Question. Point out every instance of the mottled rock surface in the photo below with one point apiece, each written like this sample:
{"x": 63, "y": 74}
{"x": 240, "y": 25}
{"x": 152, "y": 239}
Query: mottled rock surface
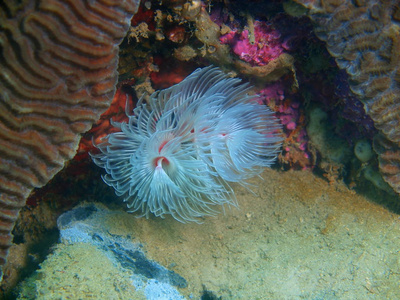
{"x": 296, "y": 237}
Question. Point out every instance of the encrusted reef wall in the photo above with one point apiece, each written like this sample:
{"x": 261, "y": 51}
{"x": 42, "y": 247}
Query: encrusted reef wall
{"x": 364, "y": 38}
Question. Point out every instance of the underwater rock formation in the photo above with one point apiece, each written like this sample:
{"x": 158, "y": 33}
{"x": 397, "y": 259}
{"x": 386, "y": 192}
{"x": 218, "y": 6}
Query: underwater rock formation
{"x": 364, "y": 38}
{"x": 58, "y": 74}
{"x": 177, "y": 154}
{"x": 84, "y": 224}
{"x": 102, "y": 260}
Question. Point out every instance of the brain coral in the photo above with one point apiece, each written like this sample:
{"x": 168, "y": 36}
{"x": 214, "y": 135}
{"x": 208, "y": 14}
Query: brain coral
{"x": 364, "y": 38}
{"x": 58, "y": 74}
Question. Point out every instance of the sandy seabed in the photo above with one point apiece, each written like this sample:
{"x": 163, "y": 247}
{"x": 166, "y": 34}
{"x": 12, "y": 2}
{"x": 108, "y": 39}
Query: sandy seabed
{"x": 296, "y": 237}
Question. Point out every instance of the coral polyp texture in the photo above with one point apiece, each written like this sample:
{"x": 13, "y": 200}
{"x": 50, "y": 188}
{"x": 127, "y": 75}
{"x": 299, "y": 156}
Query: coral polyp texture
{"x": 265, "y": 46}
{"x": 364, "y": 37}
{"x": 58, "y": 74}
{"x": 177, "y": 153}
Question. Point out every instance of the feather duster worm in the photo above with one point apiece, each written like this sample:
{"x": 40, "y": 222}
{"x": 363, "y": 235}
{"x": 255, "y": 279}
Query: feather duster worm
{"x": 177, "y": 153}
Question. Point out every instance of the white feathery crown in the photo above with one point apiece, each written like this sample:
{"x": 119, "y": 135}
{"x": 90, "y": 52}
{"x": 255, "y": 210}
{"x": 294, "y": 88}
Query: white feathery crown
{"x": 177, "y": 154}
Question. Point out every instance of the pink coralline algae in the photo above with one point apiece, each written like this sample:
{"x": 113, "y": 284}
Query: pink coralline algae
{"x": 288, "y": 111}
{"x": 265, "y": 47}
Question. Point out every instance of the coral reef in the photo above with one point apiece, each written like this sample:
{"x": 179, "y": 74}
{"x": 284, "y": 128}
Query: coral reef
{"x": 58, "y": 74}
{"x": 266, "y": 63}
{"x": 267, "y": 69}
{"x": 103, "y": 126}
{"x": 325, "y": 126}
{"x": 288, "y": 110}
{"x": 389, "y": 160}
{"x": 333, "y": 149}
{"x": 352, "y": 109}
{"x": 259, "y": 48}
{"x": 177, "y": 154}
{"x": 364, "y": 38}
